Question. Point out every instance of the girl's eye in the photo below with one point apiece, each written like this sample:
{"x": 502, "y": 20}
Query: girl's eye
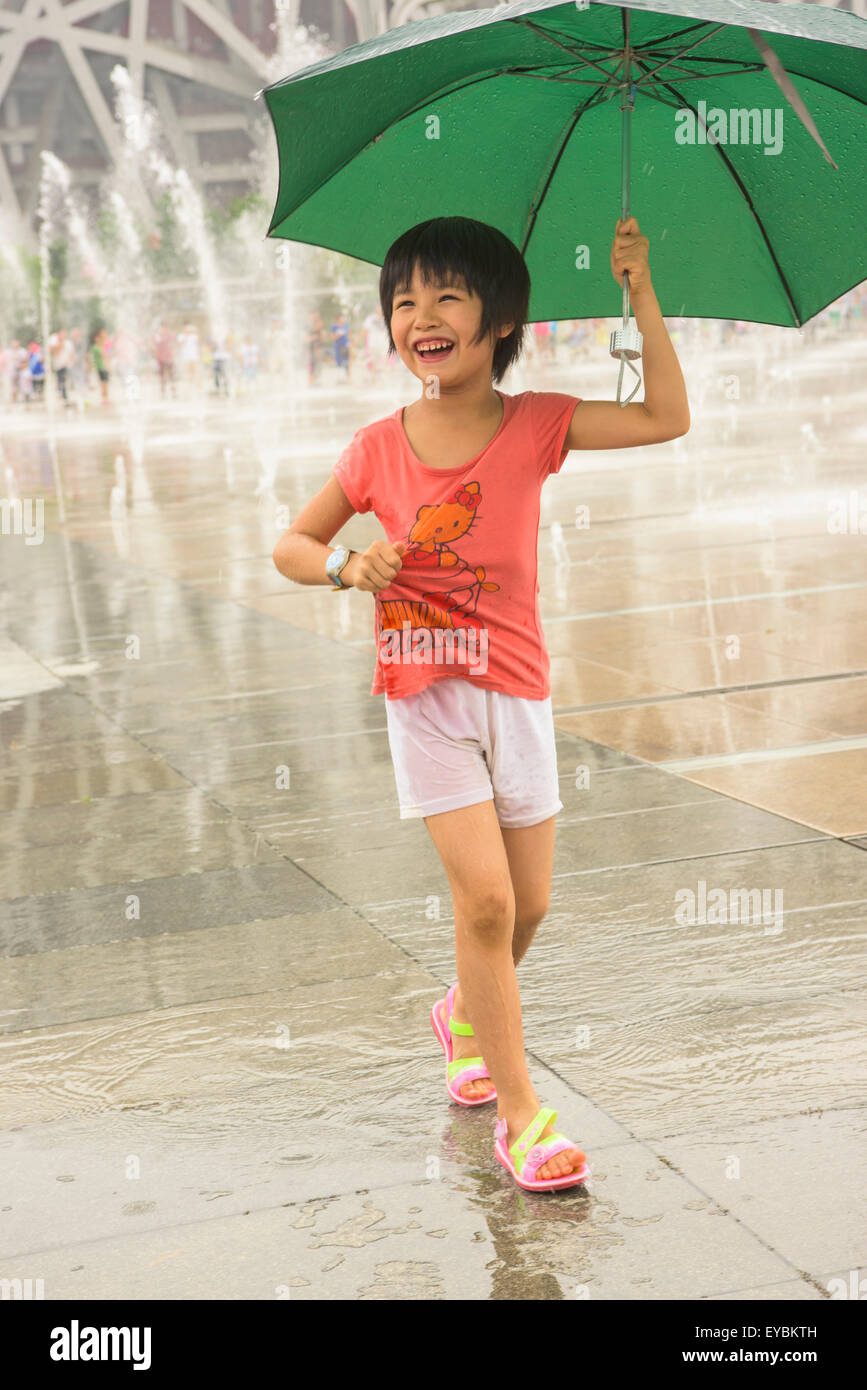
{"x": 409, "y": 301}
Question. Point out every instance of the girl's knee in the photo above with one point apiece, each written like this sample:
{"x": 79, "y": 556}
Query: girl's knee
{"x": 488, "y": 911}
{"x": 530, "y": 913}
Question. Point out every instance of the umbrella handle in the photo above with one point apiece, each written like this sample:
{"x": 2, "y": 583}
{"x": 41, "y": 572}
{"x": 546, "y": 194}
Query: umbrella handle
{"x": 626, "y": 354}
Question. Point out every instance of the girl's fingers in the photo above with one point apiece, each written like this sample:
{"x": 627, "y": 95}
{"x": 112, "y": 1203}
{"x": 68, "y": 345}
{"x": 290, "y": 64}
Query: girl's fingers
{"x": 383, "y": 572}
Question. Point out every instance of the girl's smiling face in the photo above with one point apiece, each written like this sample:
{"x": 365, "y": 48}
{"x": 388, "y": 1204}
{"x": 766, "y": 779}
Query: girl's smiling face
{"x": 448, "y": 314}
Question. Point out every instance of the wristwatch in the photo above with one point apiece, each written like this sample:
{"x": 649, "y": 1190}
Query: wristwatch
{"x": 335, "y": 563}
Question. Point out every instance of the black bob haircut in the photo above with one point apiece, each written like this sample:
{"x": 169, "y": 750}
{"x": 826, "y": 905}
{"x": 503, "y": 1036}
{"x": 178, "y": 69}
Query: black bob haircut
{"x": 490, "y": 265}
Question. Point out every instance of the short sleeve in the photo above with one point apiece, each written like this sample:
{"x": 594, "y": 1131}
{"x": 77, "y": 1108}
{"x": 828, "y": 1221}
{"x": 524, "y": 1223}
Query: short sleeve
{"x": 353, "y": 471}
{"x": 552, "y": 416}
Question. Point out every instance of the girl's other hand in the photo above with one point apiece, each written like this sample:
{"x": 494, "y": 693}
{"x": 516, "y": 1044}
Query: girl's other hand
{"x": 374, "y": 568}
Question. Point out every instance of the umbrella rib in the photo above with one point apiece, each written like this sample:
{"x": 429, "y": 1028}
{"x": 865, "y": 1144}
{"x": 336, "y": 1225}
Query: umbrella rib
{"x": 760, "y": 68}
{"x": 682, "y": 51}
{"x": 725, "y": 63}
{"x": 556, "y": 35}
{"x": 451, "y": 90}
{"x": 615, "y": 81}
{"x": 573, "y": 52}
{"x": 700, "y": 76}
{"x": 678, "y": 34}
{"x": 739, "y": 181}
{"x": 574, "y": 81}
{"x": 540, "y": 196}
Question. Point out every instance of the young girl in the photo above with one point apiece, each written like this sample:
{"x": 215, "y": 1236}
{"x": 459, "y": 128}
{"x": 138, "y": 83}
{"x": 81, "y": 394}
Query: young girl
{"x": 455, "y": 480}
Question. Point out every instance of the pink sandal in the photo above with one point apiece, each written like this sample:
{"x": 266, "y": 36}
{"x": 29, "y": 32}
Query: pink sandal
{"x": 459, "y": 1070}
{"x": 524, "y": 1161}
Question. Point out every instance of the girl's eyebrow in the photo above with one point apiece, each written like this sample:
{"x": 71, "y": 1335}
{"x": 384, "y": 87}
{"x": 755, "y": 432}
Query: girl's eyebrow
{"x": 446, "y": 285}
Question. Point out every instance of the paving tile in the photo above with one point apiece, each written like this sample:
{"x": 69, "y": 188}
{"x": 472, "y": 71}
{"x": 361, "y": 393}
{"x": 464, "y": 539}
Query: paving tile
{"x": 634, "y": 670}
{"x": 49, "y": 922}
{"x": 222, "y": 843}
{"x": 707, "y": 725}
{"x": 833, "y": 707}
{"x": 821, "y": 1152}
{"x": 822, "y": 791}
{"x": 188, "y": 966}
{"x": 88, "y": 782}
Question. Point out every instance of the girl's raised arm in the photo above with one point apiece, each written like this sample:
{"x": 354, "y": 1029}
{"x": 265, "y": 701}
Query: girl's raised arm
{"x": 664, "y": 413}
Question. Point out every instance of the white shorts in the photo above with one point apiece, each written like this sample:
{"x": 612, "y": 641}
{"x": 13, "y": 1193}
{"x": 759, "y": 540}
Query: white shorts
{"x": 454, "y": 744}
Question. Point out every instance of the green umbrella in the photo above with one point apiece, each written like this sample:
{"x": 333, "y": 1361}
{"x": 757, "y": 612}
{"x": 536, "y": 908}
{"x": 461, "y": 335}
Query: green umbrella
{"x": 748, "y": 148}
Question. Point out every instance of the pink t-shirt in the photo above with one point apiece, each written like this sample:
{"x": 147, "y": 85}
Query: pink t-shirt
{"x": 466, "y": 599}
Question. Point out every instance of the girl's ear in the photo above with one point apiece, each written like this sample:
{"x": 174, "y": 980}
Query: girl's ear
{"x": 506, "y": 329}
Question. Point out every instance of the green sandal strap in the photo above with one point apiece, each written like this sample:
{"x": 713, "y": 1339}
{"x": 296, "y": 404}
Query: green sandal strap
{"x": 460, "y": 1063}
{"x": 531, "y": 1133}
{"x": 465, "y": 1029}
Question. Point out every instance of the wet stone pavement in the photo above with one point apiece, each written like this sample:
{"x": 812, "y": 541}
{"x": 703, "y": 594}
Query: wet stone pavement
{"x": 219, "y": 945}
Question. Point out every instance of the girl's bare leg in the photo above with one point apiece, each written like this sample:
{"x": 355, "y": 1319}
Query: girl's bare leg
{"x": 530, "y": 853}
{"x": 471, "y": 845}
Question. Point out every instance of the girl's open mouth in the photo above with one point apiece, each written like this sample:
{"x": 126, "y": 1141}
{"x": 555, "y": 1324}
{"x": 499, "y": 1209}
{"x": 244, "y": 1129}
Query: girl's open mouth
{"x": 433, "y": 353}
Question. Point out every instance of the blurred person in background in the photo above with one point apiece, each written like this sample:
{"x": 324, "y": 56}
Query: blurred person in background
{"x": 541, "y": 334}
{"x": 124, "y": 354}
{"x": 340, "y": 340}
{"x": 220, "y": 361}
{"x": 375, "y": 342}
{"x": 99, "y": 361}
{"x": 164, "y": 352}
{"x": 189, "y": 355}
{"x": 62, "y": 358}
{"x": 37, "y": 370}
{"x": 233, "y": 347}
{"x": 578, "y": 335}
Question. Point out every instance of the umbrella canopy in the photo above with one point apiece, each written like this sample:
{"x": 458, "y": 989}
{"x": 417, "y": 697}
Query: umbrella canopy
{"x": 512, "y": 116}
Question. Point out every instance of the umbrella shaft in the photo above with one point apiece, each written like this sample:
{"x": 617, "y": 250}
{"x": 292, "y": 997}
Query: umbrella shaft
{"x": 625, "y": 156}
{"x": 624, "y": 198}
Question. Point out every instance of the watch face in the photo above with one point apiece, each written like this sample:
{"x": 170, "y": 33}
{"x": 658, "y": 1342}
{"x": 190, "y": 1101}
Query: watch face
{"x": 336, "y": 561}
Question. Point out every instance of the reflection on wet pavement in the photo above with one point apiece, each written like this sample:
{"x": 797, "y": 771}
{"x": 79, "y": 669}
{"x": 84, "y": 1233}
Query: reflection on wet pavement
{"x": 219, "y": 945}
